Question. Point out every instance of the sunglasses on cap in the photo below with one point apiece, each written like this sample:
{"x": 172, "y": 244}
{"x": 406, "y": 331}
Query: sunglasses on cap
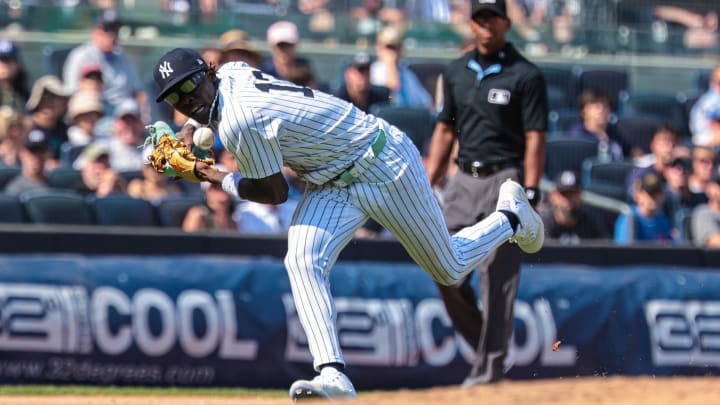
{"x": 186, "y": 87}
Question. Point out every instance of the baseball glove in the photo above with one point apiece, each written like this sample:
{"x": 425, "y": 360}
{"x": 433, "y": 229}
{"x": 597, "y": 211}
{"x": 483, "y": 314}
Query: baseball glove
{"x": 170, "y": 156}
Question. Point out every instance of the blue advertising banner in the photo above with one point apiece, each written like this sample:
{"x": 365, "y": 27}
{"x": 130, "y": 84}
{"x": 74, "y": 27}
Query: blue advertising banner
{"x": 229, "y": 321}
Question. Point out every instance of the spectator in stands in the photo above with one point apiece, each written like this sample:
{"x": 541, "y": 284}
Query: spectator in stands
{"x": 369, "y": 16}
{"x": 128, "y": 134}
{"x": 236, "y": 47}
{"x": 709, "y": 101}
{"x": 650, "y": 224}
{"x": 356, "y": 87}
{"x": 85, "y": 109}
{"x": 13, "y": 132}
{"x": 91, "y": 79}
{"x": 121, "y": 80}
{"x": 678, "y": 200}
{"x": 710, "y": 137}
{"x": 702, "y": 168}
{"x": 215, "y": 214}
{"x": 47, "y": 106}
{"x": 390, "y": 71}
{"x": 705, "y": 220}
{"x": 283, "y": 38}
{"x": 302, "y": 75}
{"x": 258, "y": 218}
{"x": 32, "y": 159}
{"x": 13, "y": 77}
{"x": 594, "y": 124}
{"x": 701, "y": 25}
{"x": 664, "y": 145}
{"x": 152, "y": 186}
{"x": 564, "y": 214}
{"x": 97, "y": 177}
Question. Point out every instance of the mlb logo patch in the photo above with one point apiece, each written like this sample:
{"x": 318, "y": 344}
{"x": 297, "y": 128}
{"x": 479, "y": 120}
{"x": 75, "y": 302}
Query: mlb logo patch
{"x": 499, "y": 96}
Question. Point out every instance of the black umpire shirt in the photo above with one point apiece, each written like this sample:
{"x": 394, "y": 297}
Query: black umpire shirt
{"x": 493, "y": 100}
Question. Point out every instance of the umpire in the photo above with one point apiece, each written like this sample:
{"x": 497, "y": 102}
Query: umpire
{"x": 495, "y": 105}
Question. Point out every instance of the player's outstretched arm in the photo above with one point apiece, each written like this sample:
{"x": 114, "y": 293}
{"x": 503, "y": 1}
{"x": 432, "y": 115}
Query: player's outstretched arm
{"x": 268, "y": 190}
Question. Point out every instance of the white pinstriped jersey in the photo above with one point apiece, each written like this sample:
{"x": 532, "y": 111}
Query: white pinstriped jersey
{"x": 269, "y": 123}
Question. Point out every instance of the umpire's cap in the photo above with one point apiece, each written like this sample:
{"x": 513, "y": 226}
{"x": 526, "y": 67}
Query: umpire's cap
{"x": 175, "y": 66}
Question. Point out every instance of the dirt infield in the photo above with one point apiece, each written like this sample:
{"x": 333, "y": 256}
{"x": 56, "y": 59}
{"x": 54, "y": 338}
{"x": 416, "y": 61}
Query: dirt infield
{"x": 571, "y": 391}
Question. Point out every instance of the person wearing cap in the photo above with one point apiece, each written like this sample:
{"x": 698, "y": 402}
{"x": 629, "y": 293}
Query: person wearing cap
{"x": 566, "y": 218}
{"x": 97, "y": 177}
{"x": 128, "y": 132}
{"x": 33, "y": 158}
{"x": 647, "y": 219}
{"x": 85, "y": 109}
{"x": 356, "y": 167}
{"x": 705, "y": 219}
{"x": 391, "y": 71}
{"x": 356, "y": 87}
{"x": 283, "y": 38}
{"x": 236, "y": 47}
{"x": 47, "y": 106}
{"x": 120, "y": 78}
{"x": 91, "y": 78}
{"x": 703, "y": 163}
{"x": 13, "y": 77}
{"x": 664, "y": 145}
{"x": 495, "y": 106}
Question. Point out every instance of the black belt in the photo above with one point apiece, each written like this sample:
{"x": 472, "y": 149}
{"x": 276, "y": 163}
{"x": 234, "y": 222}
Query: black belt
{"x": 484, "y": 169}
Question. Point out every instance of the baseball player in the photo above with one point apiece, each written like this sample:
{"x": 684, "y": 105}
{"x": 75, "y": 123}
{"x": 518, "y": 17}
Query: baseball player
{"x": 356, "y": 167}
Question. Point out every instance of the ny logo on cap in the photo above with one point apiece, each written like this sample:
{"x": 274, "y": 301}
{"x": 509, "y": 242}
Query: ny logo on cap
{"x": 165, "y": 69}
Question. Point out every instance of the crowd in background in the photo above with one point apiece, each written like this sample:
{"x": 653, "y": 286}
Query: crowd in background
{"x": 92, "y": 119}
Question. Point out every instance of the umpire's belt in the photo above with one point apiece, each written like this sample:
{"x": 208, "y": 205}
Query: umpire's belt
{"x": 483, "y": 169}
{"x": 351, "y": 174}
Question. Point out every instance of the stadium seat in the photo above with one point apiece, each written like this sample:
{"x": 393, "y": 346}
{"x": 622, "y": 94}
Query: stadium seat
{"x": 561, "y": 120}
{"x": 11, "y": 210}
{"x": 418, "y": 123}
{"x": 663, "y": 106}
{"x": 611, "y": 81}
{"x": 567, "y": 154}
{"x": 7, "y": 174}
{"x": 561, "y": 86}
{"x": 123, "y": 210}
{"x": 171, "y": 210}
{"x": 53, "y": 59}
{"x": 700, "y": 80}
{"x": 68, "y": 153}
{"x": 637, "y": 131}
{"x": 607, "y": 178}
{"x": 56, "y": 207}
{"x": 64, "y": 177}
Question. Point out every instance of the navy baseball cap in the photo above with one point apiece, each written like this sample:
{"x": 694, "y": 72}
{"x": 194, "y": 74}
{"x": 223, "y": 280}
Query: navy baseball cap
{"x": 496, "y": 6}
{"x": 175, "y": 66}
{"x": 8, "y": 49}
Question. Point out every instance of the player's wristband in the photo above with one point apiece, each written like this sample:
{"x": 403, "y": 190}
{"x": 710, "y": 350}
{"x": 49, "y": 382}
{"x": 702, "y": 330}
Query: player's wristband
{"x": 192, "y": 122}
{"x": 230, "y": 184}
{"x": 533, "y": 195}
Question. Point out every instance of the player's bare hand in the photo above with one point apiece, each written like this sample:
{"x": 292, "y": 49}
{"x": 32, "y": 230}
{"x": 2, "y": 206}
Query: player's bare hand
{"x": 186, "y": 135}
{"x": 208, "y": 172}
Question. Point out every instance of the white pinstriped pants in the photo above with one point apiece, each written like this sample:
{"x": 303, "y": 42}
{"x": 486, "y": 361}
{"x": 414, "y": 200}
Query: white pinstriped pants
{"x": 395, "y": 191}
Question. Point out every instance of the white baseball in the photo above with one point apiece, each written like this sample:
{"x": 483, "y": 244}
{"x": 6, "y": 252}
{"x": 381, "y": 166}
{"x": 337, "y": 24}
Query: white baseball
{"x": 204, "y": 138}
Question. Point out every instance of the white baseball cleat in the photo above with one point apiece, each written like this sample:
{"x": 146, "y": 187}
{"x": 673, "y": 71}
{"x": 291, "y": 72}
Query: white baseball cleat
{"x": 530, "y": 234}
{"x": 330, "y": 384}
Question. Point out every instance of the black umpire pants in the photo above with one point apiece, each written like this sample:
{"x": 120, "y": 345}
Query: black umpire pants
{"x": 487, "y": 329}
